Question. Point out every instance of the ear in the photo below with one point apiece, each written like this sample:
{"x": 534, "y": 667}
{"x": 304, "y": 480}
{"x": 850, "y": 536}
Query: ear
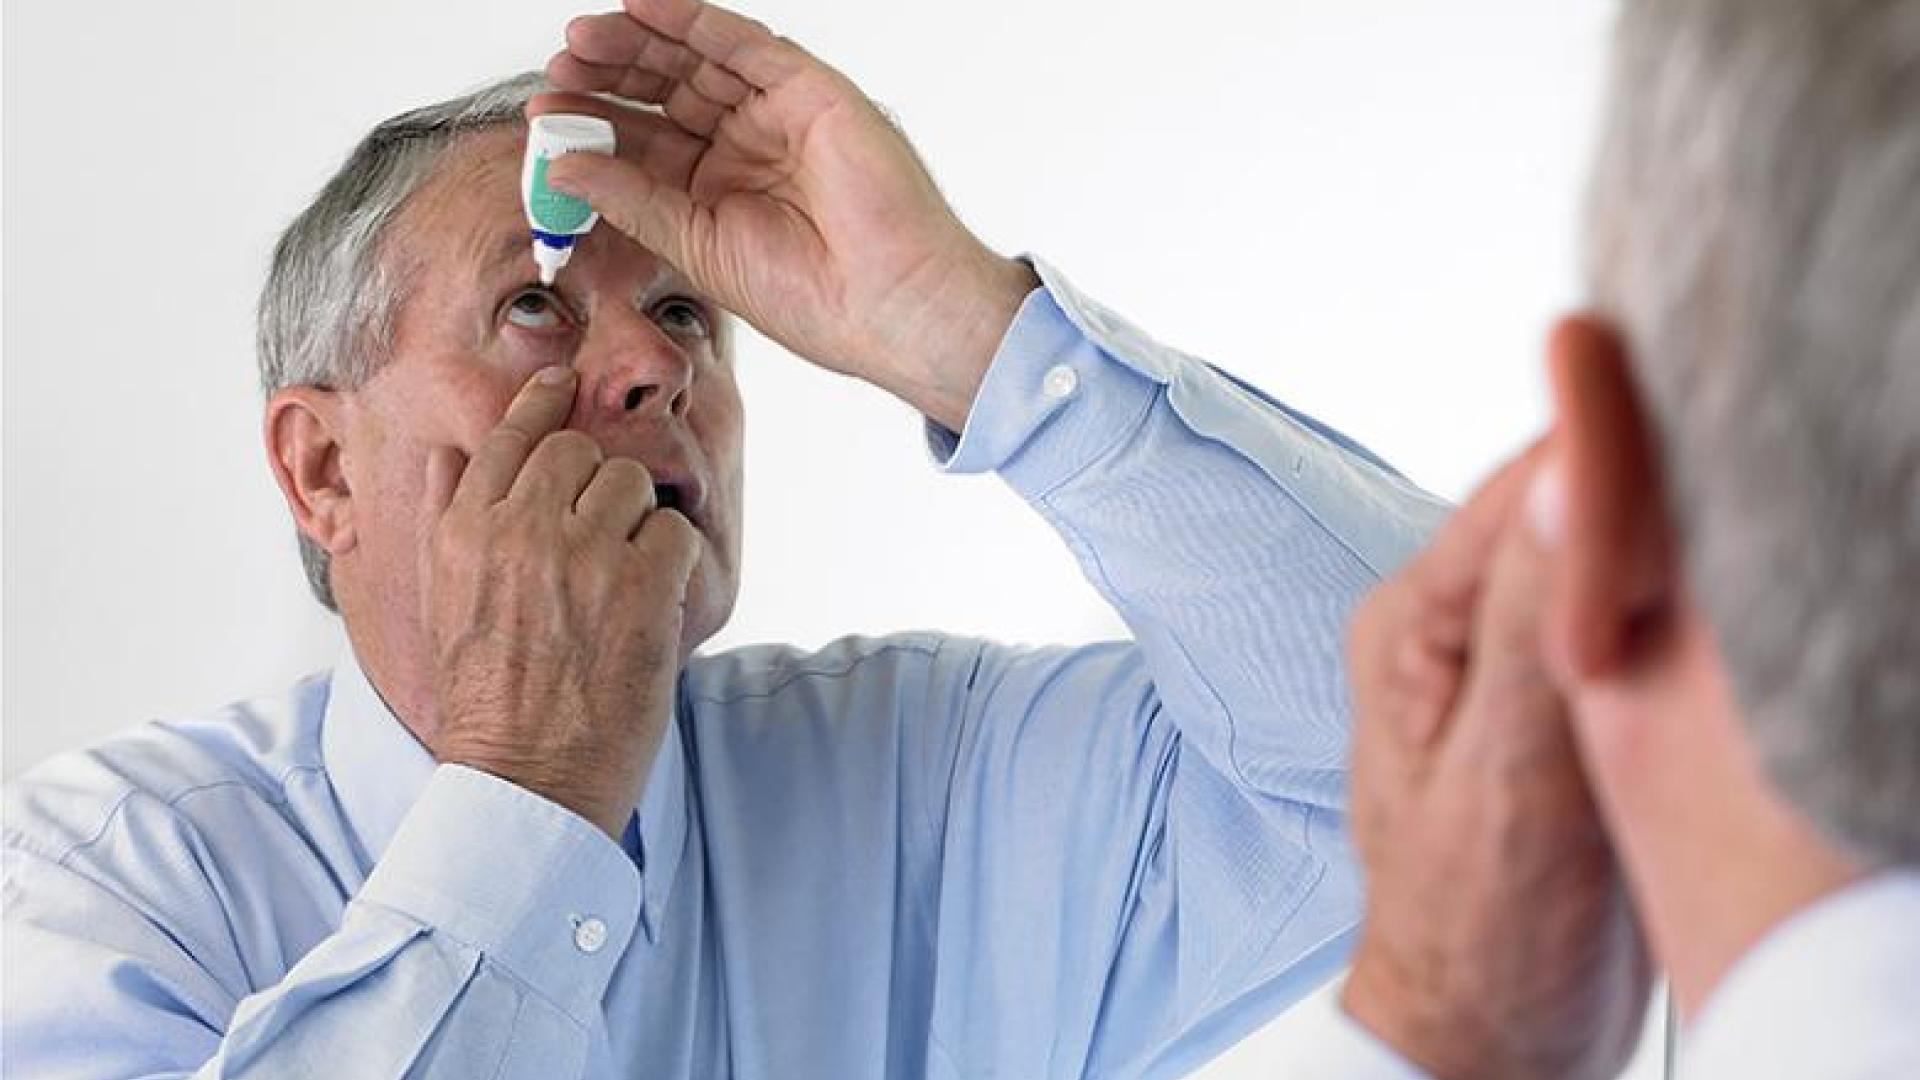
{"x": 303, "y": 430}
{"x": 1616, "y": 582}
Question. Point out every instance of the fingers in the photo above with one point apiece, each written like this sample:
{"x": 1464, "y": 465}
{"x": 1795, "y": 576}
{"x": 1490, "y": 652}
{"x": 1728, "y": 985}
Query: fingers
{"x": 740, "y": 45}
{"x": 659, "y": 216}
{"x": 569, "y": 73}
{"x": 445, "y": 467}
{"x": 1508, "y": 663}
{"x": 615, "y": 41}
{"x": 618, "y": 499}
{"x": 1411, "y": 641}
{"x": 670, "y": 546}
{"x": 537, "y": 411}
{"x": 558, "y": 470}
{"x": 1453, "y": 568}
{"x": 445, "y": 464}
{"x": 641, "y": 136}
{"x": 621, "y": 52}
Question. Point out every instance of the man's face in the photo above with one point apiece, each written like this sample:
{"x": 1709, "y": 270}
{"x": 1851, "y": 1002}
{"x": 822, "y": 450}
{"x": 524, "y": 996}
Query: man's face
{"x": 654, "y": 384}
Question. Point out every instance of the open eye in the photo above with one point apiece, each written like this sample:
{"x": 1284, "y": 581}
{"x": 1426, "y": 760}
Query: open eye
{"x": 684, "y": 317}
{"x": 535, "y": 309}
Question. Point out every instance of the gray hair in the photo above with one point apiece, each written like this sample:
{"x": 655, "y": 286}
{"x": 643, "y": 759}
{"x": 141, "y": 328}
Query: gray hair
{"x": 332, "y": 294}
{"x": 1756, "y": 235}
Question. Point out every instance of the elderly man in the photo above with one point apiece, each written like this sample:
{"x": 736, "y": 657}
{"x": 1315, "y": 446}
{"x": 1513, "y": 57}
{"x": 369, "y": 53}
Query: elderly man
{"x": 522, "y": 831}
{"x": 1686, "y": 623}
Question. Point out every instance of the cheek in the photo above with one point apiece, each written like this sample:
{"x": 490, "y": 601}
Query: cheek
{"x": 465, "y": 407}
{"x": 521, "y": 353}
{"x": 725, "y": 421}
{"x": 718, "y": 426}
{"x": 390, "y": 500}
{"x": 404, "y": 414}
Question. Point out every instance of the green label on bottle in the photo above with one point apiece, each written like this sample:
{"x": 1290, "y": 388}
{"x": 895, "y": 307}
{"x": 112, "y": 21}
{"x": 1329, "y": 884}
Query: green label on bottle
{"x": 552, "y": 211}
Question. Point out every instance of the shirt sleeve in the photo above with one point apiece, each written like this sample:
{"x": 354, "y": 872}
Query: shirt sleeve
{"x": 1166, "y": 816}
{"x": 447, "y": 963}
{"x": 1232, "y": 533}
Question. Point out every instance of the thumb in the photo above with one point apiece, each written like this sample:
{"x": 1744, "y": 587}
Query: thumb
{"x": 444, "y": 466}
{"x": 1509, "y": 664}
{"x": 655, "y": 214}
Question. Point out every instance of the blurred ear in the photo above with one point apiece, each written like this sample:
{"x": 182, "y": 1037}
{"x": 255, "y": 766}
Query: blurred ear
{"x": 1616, "y": 580}
{"x": 302, "y": 432}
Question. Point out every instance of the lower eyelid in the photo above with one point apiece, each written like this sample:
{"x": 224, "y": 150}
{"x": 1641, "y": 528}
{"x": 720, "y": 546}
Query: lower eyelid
{"x": 548, "y": 338}
{"x": 700, "y": 323}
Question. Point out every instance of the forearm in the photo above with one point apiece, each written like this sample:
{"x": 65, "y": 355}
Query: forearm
{"x": 1233, "y": 535}
{"x": 933, "y": 352}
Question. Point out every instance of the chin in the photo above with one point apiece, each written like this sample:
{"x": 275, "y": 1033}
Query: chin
{"x": 710, "y": 599}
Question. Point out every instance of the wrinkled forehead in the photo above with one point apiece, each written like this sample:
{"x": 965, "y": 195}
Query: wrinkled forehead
{"x": 466, "y": 225}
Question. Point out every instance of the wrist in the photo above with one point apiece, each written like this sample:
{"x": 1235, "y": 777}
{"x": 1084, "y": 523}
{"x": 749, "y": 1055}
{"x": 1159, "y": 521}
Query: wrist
{"x": 935, "y": 355}
{"x": 606, "y": 810}
{"x": 1418, "y": 1022}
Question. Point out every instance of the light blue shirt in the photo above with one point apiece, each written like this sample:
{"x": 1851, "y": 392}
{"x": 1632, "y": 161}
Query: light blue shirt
{"x": 919, "y": 855}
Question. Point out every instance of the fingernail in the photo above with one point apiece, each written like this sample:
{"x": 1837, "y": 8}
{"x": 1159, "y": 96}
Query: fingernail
{"x": 555, "y": 375}
{"x": 1547, "y": 504}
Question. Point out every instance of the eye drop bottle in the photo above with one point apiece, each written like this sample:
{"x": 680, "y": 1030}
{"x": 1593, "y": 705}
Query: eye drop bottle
{"x": 558, "y": 220}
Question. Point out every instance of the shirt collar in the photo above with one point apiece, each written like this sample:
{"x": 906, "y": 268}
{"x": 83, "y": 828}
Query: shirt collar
{"x": 1834, "y": 976}
{"x": 378, "y": 770}
{"x": 663, "y": 824}
{"x": 375, "y": 764}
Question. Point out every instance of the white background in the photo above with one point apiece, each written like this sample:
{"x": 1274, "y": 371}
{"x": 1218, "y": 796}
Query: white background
{"x": 1368, "y": 207}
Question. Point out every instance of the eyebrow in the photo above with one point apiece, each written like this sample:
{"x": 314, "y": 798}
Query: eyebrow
{"x": 512, "y": 244}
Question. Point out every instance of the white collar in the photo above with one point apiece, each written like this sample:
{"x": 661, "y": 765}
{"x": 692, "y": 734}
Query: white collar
{"x": 376, "y": 766}
{"x": 1827, "y": 988}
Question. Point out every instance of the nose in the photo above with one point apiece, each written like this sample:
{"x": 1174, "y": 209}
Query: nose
{"x": 630, "y": 369}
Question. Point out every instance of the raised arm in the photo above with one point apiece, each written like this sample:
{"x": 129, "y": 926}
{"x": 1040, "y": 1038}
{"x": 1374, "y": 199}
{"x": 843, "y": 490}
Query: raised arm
{"x": 785, "y": 195}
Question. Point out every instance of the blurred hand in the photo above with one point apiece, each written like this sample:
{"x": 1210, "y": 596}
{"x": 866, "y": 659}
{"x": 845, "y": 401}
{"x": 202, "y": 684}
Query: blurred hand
{"x": 553, "y": 590}
{"x": 1498, "y": 939}
{"x": 786, "y": 195}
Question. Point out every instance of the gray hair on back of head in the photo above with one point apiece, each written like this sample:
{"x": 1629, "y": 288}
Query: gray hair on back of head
{"x": 332, "y": 294}
{"x": 1755, "y": 234}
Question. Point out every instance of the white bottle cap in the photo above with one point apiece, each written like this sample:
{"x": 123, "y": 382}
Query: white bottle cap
{"x": 550, "y": 259}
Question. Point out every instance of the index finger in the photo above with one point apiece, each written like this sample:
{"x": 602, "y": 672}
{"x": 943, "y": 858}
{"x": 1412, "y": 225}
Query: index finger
{"x": 616, "y": 42}
{"x": 1452, "y": 569}
{"x": 538, "y": 410}
{"x": 1411, "y": 639}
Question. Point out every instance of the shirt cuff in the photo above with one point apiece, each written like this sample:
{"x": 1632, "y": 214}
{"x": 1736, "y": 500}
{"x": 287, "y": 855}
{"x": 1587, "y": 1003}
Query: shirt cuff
{"x": 1051, "y": 402}
{"x": 533, "y": 886}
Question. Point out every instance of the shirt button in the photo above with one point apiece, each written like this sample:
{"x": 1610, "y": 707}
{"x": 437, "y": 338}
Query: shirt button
{"x": 1061, "y": 382}
{"x": 589, "y": 935}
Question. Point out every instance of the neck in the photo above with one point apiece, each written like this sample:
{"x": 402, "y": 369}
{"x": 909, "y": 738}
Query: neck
{"x": 383, "y": 648}
{"x": 1715, "y": 856}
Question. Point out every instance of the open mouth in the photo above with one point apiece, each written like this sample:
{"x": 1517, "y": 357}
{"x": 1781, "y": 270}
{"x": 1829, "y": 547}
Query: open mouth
{"x": 668, "y": 497}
